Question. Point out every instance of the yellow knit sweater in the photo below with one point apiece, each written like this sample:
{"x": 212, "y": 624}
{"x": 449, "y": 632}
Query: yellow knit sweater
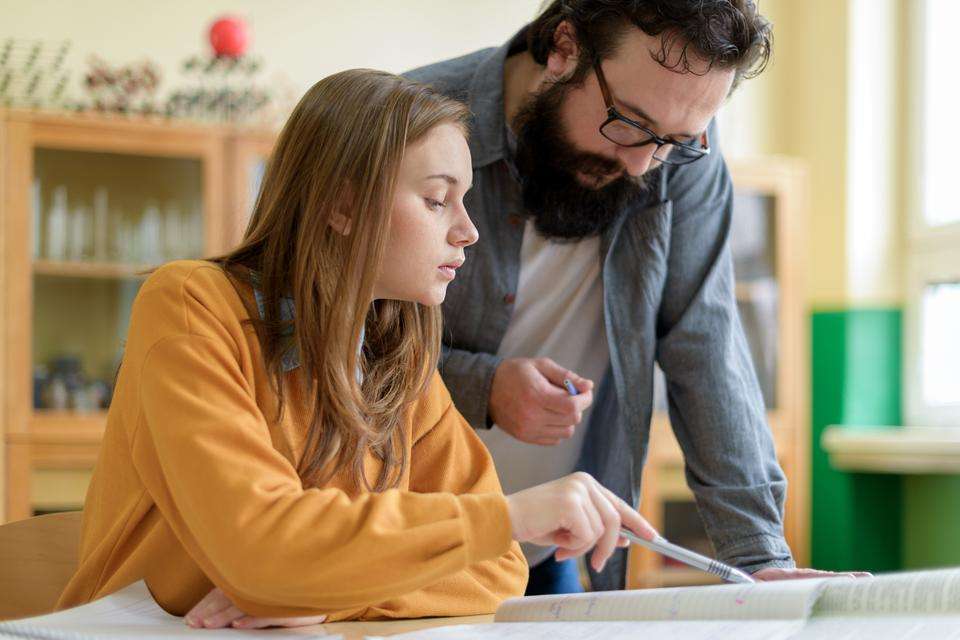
{"x": 196, "y": 485}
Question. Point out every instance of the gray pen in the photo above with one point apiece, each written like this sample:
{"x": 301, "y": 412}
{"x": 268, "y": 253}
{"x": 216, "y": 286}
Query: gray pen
{"x": 687, "y": 557}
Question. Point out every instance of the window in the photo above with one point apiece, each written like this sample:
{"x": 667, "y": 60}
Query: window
{"x": 939, "y": 162}
{"x": 939, "y": 346}
{"x": 932, "y": 319}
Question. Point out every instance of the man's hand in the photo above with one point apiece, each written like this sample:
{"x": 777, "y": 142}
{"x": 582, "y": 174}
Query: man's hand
{"x": 528, "y": 400}
{"x": 773, "y": 573}
{"x": 216, "y": 610}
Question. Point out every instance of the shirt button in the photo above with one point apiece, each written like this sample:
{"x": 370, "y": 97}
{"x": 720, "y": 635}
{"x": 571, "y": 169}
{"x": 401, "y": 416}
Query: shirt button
{"x": 509, "y": 298}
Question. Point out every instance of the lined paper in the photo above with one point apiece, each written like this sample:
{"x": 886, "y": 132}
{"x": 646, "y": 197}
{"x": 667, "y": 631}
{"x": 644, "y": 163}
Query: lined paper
{"x": 129, "y": 613}
{"x": 783, "y": 600}
{"x": 916, "y": 593}
{"x": 675, "y": 630}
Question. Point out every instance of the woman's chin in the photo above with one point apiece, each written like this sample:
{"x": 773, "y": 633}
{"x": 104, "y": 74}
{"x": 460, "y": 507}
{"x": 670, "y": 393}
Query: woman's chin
{"x": 434, "y": 297}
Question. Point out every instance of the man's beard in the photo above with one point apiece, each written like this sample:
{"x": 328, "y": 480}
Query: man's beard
{"x": 561, "y": 207}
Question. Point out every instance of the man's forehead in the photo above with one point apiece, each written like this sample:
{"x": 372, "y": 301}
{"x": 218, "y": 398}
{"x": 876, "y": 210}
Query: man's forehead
{"x": 654, "y": 73}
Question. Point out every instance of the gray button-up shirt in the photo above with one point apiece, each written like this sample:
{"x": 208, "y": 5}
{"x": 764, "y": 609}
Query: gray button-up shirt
{"x": 668, "y": 298}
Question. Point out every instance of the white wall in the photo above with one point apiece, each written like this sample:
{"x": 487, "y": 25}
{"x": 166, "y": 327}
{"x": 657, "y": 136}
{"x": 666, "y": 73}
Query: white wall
{"x": 303, "y": 40}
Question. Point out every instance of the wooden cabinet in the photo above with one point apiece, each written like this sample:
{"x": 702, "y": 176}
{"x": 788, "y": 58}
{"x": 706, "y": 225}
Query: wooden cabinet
{"x": 89, "y": 204}
{"x": 768, "y": 247}
{"x": 247, "y": 155}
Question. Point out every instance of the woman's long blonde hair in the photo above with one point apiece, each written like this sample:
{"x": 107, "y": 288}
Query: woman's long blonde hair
{"x": 336, "y": 161}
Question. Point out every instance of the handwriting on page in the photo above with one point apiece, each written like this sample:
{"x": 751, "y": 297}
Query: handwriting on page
{"x": 914, "y": 593}
{"x": 785, "y": 600}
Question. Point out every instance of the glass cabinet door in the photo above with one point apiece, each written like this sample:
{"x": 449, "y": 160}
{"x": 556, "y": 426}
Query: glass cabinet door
{"x": 101, "y": 221}
{"x": 753, "y": 245}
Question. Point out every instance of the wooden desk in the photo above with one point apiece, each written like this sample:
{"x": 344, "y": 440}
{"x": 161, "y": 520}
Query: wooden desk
{"x": 358, "y": 630}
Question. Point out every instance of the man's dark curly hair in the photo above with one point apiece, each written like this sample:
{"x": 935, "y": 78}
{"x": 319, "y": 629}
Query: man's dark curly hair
{"x": 725, "y": 33}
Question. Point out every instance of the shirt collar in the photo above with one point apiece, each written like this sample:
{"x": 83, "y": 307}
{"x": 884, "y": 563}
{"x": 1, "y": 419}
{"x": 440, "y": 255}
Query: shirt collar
{"x": 291, "y": 357}
{"x": 488, "y": 138}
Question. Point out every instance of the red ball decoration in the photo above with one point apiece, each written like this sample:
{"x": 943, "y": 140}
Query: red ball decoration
{"x": 229, "y": 36}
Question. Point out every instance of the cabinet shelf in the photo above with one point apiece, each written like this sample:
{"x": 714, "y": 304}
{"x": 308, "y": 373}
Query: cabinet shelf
{"x": 59, "y": 427}
{"x": 84, "y": 269}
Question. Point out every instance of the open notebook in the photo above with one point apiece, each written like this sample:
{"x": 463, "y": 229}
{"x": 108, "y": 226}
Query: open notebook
{"x": 896, "y": 606}
{"x": 129, "y": 613}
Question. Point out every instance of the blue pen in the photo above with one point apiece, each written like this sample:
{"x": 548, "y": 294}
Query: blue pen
{"x": 572, "y": 390}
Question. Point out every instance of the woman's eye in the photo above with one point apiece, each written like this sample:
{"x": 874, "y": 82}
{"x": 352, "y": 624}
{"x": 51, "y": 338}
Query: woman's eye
{"x": 434, "y": 205}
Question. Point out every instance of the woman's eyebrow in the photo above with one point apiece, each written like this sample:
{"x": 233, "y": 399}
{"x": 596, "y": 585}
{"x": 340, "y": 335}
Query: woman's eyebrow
{"x": 443, "y": 176}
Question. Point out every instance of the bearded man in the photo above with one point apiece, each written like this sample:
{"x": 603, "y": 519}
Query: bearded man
{"x": 604, "y": 206}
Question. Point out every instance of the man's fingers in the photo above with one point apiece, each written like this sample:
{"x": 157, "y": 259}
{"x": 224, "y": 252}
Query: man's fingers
{"x": 547, "y": 436}
{"x": 776, "y": 573}
{"x": 557, "y": 374}
{"x": 560, "y": 403}
{"x": 553, "y": 372}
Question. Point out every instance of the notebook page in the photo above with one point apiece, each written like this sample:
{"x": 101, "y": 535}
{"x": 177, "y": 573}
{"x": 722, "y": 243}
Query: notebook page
{"x": 675, "y": 630}
{"x": 911, "y": 593}
{"x": 129, "y": 613}
{"x": 781, "y": 600}
{"x": 926, "y": 627}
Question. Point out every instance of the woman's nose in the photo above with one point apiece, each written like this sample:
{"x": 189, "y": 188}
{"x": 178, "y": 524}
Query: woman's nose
{"x": 464, "y": 232}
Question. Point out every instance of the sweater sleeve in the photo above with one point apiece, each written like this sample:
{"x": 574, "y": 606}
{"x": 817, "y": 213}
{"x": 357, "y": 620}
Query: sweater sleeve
{"x": 450, "y": 458}
{"x": 204, "y": 454}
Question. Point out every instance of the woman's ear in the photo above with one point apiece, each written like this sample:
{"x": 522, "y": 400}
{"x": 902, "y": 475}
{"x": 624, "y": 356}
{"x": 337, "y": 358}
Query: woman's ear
{"x": 340, "y": 223}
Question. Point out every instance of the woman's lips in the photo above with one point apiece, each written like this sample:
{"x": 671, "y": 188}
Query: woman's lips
{"x": 449, "y": 270}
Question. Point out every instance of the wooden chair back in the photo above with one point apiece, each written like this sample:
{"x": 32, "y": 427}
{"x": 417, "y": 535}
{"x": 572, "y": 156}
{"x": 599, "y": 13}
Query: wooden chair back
{"x": 37, "y": 558}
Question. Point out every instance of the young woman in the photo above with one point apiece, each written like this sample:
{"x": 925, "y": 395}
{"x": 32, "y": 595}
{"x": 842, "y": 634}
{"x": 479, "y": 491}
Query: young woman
{"x": 280, "y": 444}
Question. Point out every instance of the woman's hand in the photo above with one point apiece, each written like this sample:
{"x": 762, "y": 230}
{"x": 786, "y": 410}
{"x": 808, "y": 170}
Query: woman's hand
{"x": 216, "y": 610}
{"x": 574, "y": 513}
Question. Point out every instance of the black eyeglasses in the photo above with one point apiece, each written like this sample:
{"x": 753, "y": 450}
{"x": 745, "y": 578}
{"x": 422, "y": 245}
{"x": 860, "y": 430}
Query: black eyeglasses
{"x": 621, "y": 130}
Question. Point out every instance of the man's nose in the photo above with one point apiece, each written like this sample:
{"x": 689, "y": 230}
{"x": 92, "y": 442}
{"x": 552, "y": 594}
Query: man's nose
{"x": 636, "y": 160}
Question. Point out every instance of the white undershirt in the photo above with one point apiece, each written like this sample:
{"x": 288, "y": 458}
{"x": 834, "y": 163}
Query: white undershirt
{"x": 558, "y": 313}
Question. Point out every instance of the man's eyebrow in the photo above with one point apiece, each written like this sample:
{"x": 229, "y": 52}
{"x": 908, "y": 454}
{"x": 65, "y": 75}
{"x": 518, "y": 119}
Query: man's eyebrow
{"x": 643, "y": 116}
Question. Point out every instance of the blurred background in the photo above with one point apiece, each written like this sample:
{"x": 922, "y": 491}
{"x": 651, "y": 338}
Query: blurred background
{"x": 132, "y": 134}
